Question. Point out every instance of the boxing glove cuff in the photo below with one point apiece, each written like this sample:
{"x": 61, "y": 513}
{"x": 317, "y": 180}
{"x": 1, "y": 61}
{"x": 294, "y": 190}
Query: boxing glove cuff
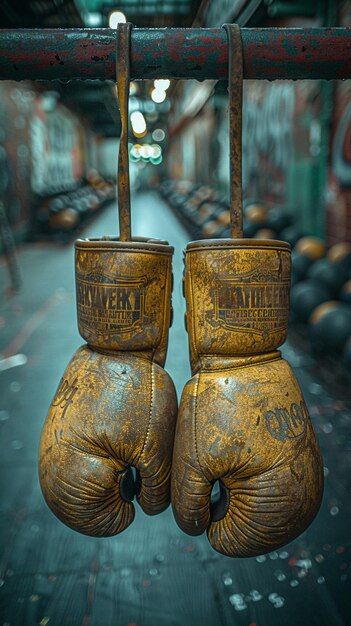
{"x": 124, "y": 295}
{"x": 237, "y": 295}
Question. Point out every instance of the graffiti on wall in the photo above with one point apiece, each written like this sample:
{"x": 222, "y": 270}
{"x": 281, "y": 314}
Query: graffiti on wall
{"x": 341, "y": 156}
{"x": 56, "y": 164}
{"x": 268, "y": 117}
{"x": 339, "y": 180}
{"x": 15, "y": 110}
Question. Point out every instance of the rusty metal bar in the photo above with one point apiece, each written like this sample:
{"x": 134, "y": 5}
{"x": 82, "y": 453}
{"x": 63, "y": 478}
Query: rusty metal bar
{"x": 269, "y": 53}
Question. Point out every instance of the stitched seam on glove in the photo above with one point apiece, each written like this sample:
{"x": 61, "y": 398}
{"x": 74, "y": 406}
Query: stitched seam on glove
{"x": 195, "y": 355}
{"x": 195, "y": 424}
{"x": 150, "y": 413}
{"x": 164, "y": 331}
{"x": 120, "y": 353}
{"x": 237, "y": 367}
{"x": 105, "y": 248}
{"x": 237, "y": 244}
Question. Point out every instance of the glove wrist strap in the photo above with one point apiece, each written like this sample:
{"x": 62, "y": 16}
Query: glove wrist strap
{"x": 219, "y": 362}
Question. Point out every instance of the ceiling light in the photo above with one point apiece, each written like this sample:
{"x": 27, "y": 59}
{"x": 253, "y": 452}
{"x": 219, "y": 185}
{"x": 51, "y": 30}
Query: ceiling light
{"x": 146, "y": 151}
{"x": 92, "y": 19}
{"x": 156, "y": 151}
{"x": 115, "y": 18}
{"x": 156, "y": 161}
{"x": 158, "y": 134}
{"x": 138, "y": 123}
{"x": 162, "y": 84}
{"x": 158, "y": 95}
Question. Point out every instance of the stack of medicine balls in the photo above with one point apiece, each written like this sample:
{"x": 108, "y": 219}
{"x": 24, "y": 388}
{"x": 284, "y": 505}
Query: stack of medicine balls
{"x": 320, "y": 281}
{"x": 321, "y": 295}
{"x": 202, "y": 209}
{"x": 321, "y": 278}
{"x": 63, "y": 213}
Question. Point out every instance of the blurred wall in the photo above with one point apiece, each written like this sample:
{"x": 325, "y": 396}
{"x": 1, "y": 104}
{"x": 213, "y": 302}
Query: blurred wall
{"x": 338, "y": 200}
{"x": 107, "y": 152}
{"x": 43, "y": 151}
{"x": 296, "y": 142}
{"x": 284, "y": 138}
{"x": 297, "y": 148}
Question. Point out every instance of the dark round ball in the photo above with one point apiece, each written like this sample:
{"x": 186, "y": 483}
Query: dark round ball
{"x": 277, "y": 219}
{"x": 249, "y": 229}
{"x": 212, "y": 228}
{"x": 345, "y": 292}
{"x": 333, "y": 328}
{"x": 265, "y": 233}
{"x": 300, "y": 264}
{"x": 256, "y": 214}
{"x": 249, "y": 201}
{"x": 64, "y": 220}
{"x": 341, "y": 253}
{"x": 57, "y": 204}
{"x": 317, "y": 339}
{"x": 313, "y": 247}
{"x": 331, "y": 274}
{"x": 306, "y": 296}
{"x": 291, "y": 235}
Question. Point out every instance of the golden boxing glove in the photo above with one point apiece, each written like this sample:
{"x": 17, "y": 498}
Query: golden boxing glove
{"x": 242, "y": 420}
{"x": 115, "y": 407}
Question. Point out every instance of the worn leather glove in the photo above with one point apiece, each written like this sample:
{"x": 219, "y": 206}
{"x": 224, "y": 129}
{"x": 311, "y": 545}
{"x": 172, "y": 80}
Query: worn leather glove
{"x": 115, "y": 407}
{"x": 242, "y": 420}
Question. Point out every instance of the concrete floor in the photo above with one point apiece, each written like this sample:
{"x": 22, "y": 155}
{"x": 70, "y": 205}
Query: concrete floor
{"x": 152, "y": 574}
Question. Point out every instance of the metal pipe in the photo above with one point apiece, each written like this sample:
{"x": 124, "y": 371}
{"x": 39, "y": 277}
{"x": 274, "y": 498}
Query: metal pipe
{"x": 201, "y": 53}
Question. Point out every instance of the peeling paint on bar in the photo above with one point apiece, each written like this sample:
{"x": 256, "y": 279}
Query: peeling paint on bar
{"x": 200, "y": 53}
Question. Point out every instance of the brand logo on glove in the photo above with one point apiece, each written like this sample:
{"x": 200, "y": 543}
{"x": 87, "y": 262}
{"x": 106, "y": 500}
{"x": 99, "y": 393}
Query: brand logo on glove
{"x": 110, "y": 307}
{"x": 65, "y": 394}
{"x": 253, "y": 306}
{"x": 283, "y": 423}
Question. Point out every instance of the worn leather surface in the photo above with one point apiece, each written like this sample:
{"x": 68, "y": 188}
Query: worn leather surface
{"x": 123, "y": 295}
{"x": 115, "y": 407}
{"x": 237, "y": 296}
{"x": 242, "y": 419}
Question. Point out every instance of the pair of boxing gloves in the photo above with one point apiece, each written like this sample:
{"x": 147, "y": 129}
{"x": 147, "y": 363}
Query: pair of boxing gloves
{"x": 242, "y": 419}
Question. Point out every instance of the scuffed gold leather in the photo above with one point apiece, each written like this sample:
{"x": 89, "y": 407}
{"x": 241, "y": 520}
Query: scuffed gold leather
{"x": 237, "y": 295}
{"x": 115, "y": 406}
{"x": 242, "y": 418}
{"x": 109, "y": 412}
{"x": 123, "y": 295}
